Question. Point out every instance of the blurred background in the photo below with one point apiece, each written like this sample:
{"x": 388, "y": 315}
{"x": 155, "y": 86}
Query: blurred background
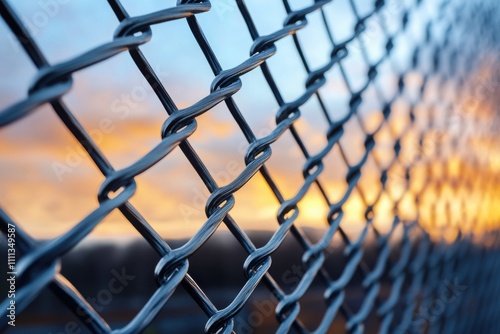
{"x": 432, "y": 174}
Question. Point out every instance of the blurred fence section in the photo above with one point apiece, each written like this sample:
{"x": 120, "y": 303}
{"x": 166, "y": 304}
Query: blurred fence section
{"x": 422, "y": 82}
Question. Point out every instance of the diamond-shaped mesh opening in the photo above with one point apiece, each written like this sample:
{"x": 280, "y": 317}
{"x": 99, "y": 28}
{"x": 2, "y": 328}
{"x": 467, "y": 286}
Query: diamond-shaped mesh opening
{"x": 325, "y": 166}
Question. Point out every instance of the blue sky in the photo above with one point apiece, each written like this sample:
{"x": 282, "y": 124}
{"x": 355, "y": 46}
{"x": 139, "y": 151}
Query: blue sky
{"x": 114, "y": 92}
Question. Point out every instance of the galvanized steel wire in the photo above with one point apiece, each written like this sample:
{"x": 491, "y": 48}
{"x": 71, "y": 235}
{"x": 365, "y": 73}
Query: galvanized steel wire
{"x": 421, "y": 263}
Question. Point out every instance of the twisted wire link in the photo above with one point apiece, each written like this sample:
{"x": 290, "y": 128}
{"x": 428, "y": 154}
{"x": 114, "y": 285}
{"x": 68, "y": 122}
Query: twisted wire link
{"x": 409, "y": 271}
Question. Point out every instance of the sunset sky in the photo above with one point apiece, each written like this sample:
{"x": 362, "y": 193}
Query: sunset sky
{"x": 48, "y": 184}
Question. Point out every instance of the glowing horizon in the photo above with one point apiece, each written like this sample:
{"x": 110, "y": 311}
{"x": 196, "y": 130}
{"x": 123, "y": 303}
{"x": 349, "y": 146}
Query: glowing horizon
{"x": 49, "y": 183}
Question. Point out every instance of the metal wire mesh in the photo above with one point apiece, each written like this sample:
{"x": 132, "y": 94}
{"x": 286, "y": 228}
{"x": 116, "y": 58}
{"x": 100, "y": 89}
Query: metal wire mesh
{"x": 451, "y": 238}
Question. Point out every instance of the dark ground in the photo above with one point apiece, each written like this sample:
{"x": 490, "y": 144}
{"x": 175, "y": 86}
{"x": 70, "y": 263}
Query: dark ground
{"x": 218, "y": 269}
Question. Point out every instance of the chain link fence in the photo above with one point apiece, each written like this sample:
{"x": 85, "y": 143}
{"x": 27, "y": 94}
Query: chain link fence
{"x": 432, "y": 270}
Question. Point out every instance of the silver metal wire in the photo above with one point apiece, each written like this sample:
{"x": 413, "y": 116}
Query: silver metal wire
{"x": 408, "y": 273}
